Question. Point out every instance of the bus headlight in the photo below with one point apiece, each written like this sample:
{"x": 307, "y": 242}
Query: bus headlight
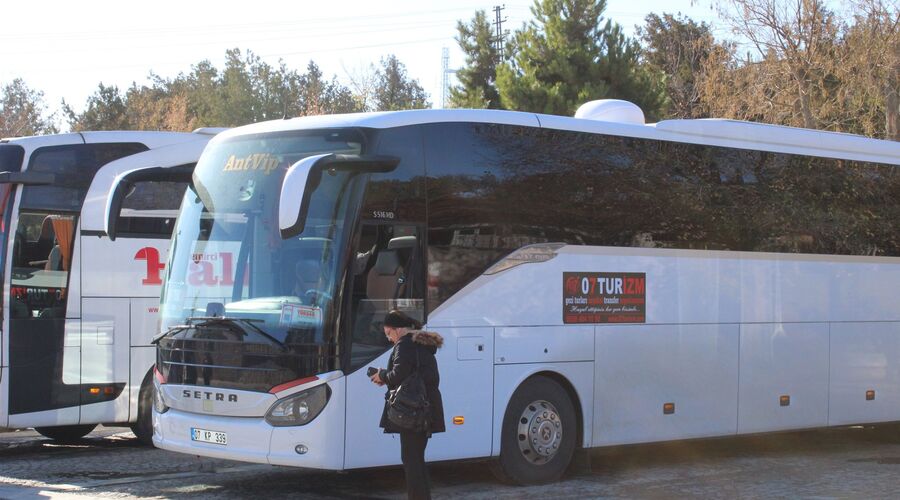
{"x": 300, "y": 408}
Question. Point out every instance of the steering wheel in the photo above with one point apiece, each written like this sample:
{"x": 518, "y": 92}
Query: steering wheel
{"x": 313, "y": 296}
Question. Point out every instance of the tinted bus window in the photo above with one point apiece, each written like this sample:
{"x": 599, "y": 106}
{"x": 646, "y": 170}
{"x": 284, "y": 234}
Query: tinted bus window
{"x": 42, "y": 257}
{"x": 11, "y": 157}
{"x": 495, "y": 188}
{"x": 150, "y": 209}
{"x": 74, "y": 167}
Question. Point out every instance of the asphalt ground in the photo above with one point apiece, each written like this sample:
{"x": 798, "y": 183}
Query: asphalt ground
{"x": 110, "y": 463}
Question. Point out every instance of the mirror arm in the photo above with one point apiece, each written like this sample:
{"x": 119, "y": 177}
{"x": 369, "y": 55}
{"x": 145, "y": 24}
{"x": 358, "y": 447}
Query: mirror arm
{"x": 27, "y": 178}
{"x": 356, "y": 164}
{"x": 361, "y": 164}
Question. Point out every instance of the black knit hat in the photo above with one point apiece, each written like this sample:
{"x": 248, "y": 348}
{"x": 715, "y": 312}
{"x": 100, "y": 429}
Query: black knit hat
{"x": 397, "y": 319}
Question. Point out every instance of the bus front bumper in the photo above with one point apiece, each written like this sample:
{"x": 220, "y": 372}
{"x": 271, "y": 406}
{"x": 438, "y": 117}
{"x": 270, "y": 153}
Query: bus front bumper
{"x": 251, "y": 439}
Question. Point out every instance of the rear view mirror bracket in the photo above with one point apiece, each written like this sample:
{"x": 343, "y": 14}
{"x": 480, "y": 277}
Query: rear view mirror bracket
{"x": 27, "y": 178}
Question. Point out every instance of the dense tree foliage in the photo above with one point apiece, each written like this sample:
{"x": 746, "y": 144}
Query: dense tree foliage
{"x": 677, "y": 48}
{"x": 810, "y": 66}
{"x": 808, "y": 63}
{"x": 247, "y": 90}
{"x": 23, "y": 112}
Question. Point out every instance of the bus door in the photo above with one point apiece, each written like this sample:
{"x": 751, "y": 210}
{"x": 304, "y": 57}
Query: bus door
{"x": 388, "y": 273}
{"x": 45, "y": 371}
{"x": 45, "y": 327}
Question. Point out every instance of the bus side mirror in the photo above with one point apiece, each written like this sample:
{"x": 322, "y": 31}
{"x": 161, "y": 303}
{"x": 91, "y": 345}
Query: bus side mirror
{"x": 125, "y": 181}
{"x": 303, "y": 177}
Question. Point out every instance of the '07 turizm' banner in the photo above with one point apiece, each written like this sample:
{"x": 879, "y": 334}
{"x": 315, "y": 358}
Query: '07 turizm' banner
{"x": 604, "y": 297}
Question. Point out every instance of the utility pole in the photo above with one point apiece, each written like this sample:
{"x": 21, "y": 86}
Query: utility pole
{"x": 500, "y": 35}
{"x": 445, "y": 76}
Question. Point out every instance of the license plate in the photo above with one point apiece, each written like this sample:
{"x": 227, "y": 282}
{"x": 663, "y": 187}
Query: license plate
{"x": 207, "y": 436}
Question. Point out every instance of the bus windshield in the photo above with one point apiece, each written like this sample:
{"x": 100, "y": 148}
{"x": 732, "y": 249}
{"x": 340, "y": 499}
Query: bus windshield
{"x": 231, "y": 275}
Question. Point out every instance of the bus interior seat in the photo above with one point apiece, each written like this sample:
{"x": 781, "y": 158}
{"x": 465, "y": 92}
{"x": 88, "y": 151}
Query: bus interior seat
{"x": 307, "y": 276}
{"x": 45, "y": 242}
{"x": 54, "y": 260}
{"x": 385, "y": 278}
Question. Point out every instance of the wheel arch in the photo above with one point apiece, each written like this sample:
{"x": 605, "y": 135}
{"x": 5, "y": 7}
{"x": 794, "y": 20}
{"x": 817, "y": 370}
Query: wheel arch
{"x": 575, "y": 378}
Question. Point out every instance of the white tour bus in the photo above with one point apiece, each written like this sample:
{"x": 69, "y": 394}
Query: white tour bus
{"x": 597, "y": 280}
{"x": 80, "y": 311}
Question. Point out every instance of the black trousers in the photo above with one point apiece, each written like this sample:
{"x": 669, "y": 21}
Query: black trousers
{"x": 412, "y": 453}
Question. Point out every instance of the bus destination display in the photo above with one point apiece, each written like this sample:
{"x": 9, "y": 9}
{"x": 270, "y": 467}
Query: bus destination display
{"x": 604, "y": 297}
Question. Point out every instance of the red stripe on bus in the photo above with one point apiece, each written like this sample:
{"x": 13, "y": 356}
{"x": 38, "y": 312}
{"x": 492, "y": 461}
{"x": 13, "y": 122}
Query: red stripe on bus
{"x": 294, "y": 383}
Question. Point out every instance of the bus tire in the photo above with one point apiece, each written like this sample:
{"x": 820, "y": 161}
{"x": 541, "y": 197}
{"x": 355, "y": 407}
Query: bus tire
{"x": 143, "y": 426}
{"x": 66, "y": 433}
{"x": 538, "y": 436}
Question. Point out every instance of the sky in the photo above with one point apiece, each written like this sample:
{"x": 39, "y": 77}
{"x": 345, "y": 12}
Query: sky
{"x": 65, "y": 49}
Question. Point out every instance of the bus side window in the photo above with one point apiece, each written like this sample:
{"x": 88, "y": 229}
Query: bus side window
{"x": 42, "y": 258}
{"x": 149, "y": 210}
{"x": 388, "y": 274}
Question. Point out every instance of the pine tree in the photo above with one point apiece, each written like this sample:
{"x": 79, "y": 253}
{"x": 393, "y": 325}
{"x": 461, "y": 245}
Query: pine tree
{"x": 106, "y": 110}
{"x": 394, "y": 90}
{"x": 567, "y": 56}
{"x": 238, "y": 104}
{"x": 477, "y": 81}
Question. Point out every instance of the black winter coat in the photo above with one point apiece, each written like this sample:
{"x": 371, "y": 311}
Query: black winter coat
{"x": 403, "y": 363}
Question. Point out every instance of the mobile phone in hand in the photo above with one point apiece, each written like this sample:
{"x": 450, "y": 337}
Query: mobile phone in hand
{"x": 371, "y": 371}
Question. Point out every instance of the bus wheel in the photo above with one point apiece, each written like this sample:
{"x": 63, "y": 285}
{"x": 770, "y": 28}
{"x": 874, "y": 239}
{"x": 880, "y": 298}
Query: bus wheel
{"x": 538, "y": 435}
{"x": 143, "y": 426}
{"x": 66, "y": 433}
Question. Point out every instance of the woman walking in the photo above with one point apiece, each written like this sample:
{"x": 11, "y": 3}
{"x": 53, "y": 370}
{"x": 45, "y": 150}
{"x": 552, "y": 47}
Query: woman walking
{"x": 414, "y": 350}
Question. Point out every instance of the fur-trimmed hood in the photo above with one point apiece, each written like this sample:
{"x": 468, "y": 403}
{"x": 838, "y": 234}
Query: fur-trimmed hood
{"x": 430, "y": 339}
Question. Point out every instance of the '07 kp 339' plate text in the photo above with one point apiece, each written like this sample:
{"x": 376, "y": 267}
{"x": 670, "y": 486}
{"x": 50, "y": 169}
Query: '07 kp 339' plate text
{"x": 207, "y": 436}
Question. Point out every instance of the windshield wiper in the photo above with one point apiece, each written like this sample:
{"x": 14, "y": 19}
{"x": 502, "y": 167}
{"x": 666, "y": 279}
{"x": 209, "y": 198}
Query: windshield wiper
{"x": 170, "y": 331}
{"x": 189, "y": 323}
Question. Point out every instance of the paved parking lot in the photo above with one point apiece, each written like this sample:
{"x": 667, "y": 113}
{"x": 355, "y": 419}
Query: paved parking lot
{"x": 109, "y": 463}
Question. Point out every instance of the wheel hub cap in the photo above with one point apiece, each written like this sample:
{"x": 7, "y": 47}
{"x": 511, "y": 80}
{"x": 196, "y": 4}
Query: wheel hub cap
{"x": 540, "y": 432}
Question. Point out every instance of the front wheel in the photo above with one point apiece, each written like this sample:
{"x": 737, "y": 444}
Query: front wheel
{"x": 539, "y": 432}
{"x": 66, "y": 433}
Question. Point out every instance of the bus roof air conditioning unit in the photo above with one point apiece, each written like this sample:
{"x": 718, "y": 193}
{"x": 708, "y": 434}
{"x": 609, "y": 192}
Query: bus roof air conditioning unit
{"x": 611, "y": 110}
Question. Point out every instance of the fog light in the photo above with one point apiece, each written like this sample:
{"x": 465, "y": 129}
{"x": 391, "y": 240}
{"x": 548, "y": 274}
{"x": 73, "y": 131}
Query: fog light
{"x": 301, "y": 449}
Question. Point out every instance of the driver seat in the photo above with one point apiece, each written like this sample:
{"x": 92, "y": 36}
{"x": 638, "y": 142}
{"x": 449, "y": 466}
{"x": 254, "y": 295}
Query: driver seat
{"x": 386, "y": 280}
{"x": 307, "y": 277}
